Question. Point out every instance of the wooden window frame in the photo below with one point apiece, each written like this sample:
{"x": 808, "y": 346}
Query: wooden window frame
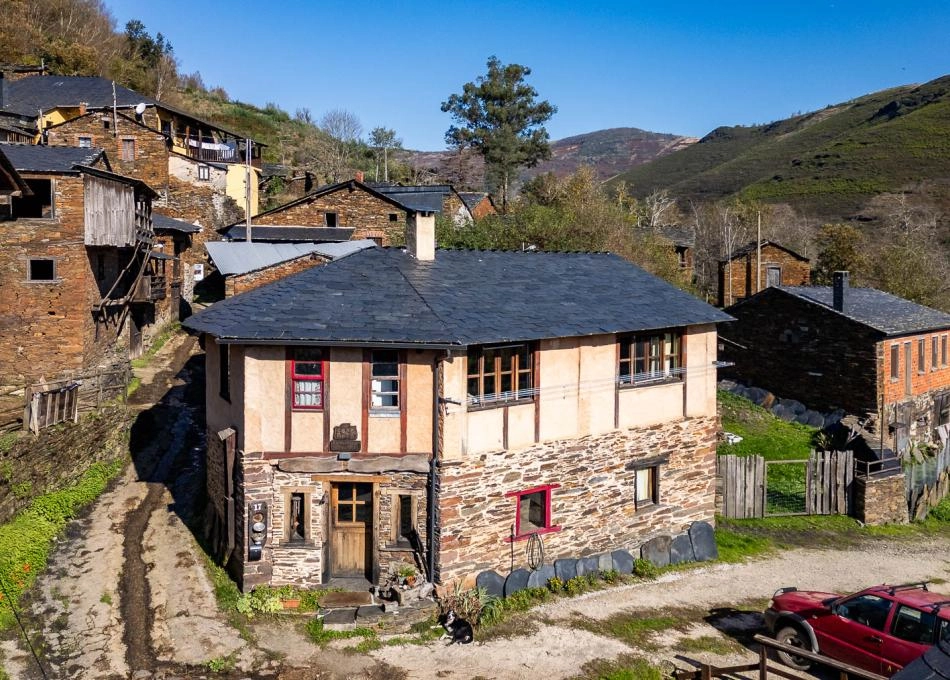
{"x": 396, "y": 539}
{"x": 382, "y": 410}
{"x": 289, "y": 536}
{"x": 921, "y": 355}
{"x": 895, "y": 362}
{"x": 548, "y": 527}
{"x": 521, "y": 366}
{"x": 646, "y": 350}
{"x": 29, "y": 270}
{"x": 934, "y": 353}
{"x": 123, "y": 155}
{"x": 296, "y": 376}
{"x": 204, "y": 173}
{"x": 224, "y": 371}
{"x": 81, "y": 138}
{"x": 654, "y": 483}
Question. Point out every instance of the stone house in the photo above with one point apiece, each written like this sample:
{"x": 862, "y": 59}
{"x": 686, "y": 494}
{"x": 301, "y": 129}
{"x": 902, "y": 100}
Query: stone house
{"x": 443, "y": 407}
{"x": 173, "y": 238}
{"x": 79, "y": 284}
{"x": 334, "y": 212}
{"x": 244, "y": 265}
{"x": 440, "y": 199}
{"x": 868, "y": 352}
{"x": 479, "y": 203}
{"x": 777, "y": 266}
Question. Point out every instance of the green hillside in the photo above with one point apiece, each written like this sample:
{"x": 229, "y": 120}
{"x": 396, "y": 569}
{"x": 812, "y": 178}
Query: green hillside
{"x": 827, "y": 163}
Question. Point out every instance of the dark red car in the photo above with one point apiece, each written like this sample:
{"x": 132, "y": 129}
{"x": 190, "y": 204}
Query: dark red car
{"x": 880, "y": 629}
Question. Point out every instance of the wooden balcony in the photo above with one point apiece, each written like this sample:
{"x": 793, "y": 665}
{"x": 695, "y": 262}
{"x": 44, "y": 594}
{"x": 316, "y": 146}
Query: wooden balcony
{"x": 149, "y": 289}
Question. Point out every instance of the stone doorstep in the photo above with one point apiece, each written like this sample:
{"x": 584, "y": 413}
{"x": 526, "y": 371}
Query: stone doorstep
{"x": 348, "y": 618}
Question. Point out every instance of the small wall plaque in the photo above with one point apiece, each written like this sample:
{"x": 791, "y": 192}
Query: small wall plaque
{"x": 345, "y": 439}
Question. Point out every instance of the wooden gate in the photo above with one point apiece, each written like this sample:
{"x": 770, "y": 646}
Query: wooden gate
{"x": 752, "y": 487}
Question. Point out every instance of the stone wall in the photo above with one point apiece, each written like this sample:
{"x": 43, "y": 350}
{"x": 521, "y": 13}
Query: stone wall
{"x": 594, "y": 505}
{"x": 355, "y": 208}
{"x": 240, "y": 283}
{"x": 802, "y": 351}
{"x": 881, "y": 500}
{"x": 741, "y": 272}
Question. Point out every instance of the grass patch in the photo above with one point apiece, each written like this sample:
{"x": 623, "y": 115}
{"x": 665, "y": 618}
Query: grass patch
{"x": 156, "y": 345}
{"x": 625, "y": 667}
{"x": 7, "y": 440}
{"x": 134, "y": 384}
{"x": 762, "y": 433}
{"x": 25, "y": 540}
{"x": 636, "y": 628}
{"x": 737, "y": 547}
{"x": 321, "y": 635}
{"x": 712, "y": 644}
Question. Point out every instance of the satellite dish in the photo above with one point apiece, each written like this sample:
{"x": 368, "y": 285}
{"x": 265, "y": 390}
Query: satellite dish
{"x": 140, "y": 109}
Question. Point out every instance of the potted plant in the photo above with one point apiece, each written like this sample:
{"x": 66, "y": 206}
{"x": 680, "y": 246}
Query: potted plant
{"x": 289, "y": 597}
{"x": 406, "y": 573}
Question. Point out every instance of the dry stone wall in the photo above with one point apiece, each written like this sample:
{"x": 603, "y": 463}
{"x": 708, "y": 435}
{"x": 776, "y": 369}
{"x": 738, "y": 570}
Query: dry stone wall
{"x": 594, "y": 505}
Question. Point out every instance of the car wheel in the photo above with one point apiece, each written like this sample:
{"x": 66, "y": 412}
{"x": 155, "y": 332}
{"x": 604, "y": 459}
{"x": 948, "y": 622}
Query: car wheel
{"x": 790, "y": 635}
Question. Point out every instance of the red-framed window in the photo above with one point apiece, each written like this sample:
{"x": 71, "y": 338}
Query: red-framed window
{"x": 307, "y": 372}
{"x": 533, "y": 511}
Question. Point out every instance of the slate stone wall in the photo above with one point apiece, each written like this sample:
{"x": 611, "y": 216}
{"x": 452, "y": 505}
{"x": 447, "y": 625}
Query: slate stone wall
{"x": 594, "y": 505}
{"x": 741, "y": 271}
{"x": 881, "y": 500}
{"x": 355, "y": 209}
{"x": 240, "y": 283}
{"x": 802, "y": 351}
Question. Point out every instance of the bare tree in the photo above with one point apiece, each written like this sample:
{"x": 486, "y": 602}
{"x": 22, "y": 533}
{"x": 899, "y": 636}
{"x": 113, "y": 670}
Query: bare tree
{"x": 343, "y": 130}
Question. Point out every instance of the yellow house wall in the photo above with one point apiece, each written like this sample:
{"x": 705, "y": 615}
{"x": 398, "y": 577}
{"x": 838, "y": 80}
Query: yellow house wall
{"x": 263, "y": 410}
{"x": 346, "y": 387}
{"x": 701, "y": 350}
{"x": 650, "y": 405}
{"x": 236, "y": 180}
{"x": 559, "y": 374}
{"x": 419, "y": 401}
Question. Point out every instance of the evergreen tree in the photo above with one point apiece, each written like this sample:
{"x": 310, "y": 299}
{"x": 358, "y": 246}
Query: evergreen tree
{"x": 500, "y": 117}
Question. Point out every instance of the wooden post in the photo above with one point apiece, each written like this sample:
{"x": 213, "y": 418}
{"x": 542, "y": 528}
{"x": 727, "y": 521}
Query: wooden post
{"x": 99, "y": 378}
{"x": 763, "y": 663}
{"x": 27, "y": 406}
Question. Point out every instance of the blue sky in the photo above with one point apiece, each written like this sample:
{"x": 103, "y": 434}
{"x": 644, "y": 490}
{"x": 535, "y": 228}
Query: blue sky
{"x": 665, "y": 66}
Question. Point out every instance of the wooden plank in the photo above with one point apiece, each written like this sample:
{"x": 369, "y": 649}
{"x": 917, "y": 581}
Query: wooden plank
{"x": 760, "y": 487}
{"x": 810, "y": 485}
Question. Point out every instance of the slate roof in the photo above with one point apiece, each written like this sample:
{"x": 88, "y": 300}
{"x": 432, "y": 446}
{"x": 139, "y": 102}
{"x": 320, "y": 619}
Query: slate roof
{"x": 889, "y": 314}
{"x": 241, "y": 257}
{"x": 160, "y": 221}
{"x": 382, "y": 296}
{"x": 472, "y": 198}
{"x": 421, "y": 198}
{"x": 750, "y": 248}
{"x": 287, "y": 233}
{"x": 59, "y": 159}
{"x": 27, "y": 95}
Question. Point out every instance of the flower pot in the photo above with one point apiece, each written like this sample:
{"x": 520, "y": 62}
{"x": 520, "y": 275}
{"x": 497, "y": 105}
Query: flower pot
{"x": 290, "y": 604}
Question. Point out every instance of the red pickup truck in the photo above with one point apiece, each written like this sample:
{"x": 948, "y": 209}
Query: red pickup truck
{"x": 880, "y": 629}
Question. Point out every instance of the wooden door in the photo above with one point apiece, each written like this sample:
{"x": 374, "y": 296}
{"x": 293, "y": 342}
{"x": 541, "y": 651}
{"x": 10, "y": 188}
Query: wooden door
{"x": 351, "y": 510}
{"x": 773, "y": 276}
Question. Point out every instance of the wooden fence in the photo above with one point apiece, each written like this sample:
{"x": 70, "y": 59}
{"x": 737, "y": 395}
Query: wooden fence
{"x": 63, "y": 400}
{"x": 752, "y": 487}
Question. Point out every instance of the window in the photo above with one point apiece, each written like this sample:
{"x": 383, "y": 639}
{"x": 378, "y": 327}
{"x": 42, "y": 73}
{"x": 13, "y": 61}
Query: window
{"x": 42, "y": 269}
{"x": 646, "y": 359}
{"x": 354, "y": 502}
{"x": 895, "y": 362}
{"x": 646, "y": 487}
{"x": 106, "y": 123}
{"x": 533, "y": 511}
{"x": 128, "y": 149}
{"x": 40, "y": 204}
{"x": 307, "y": 373}
{"x": 330, "y": 219}
{"x": 868, "y": 610}
{"x": 85, "y": 142}
{"x": 934, "y": 355}
{"x": 393, "y": 217}
{"x": 500, "y": 374}
{"x": 942, "y": 409}
{"x": 297, "y": 518}
{"x": 914, "y": 625}
{"x": 921, "y": 355}
{"x": 943, "y": 351}
{"x": 385, "y": 380}
{"x": 224, "y": 371}
{"x": 204, "y": 173}
{"x": 403, "y": 519}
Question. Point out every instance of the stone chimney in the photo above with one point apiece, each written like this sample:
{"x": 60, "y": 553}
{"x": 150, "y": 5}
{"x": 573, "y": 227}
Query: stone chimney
{"x": 840, "y": 291}
{"x": 359, "y": 176}
{"x": 82, "y": 108}
{"x": 420, "y": 235}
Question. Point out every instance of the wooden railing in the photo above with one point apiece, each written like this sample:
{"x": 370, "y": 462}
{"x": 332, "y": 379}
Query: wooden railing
{"x": 766, "y": 668}
{"x": 62, "y": 400}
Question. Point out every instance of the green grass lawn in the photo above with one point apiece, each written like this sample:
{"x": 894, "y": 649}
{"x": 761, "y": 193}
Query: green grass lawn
{"x": 762, "y": 433}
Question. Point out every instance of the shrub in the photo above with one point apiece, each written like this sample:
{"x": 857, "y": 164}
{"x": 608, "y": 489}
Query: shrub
{"x": 555, "y": 585}
{"x": 645, "y": 568}
{"x": 576, "y": 586}
{"x": 610, "y": 576}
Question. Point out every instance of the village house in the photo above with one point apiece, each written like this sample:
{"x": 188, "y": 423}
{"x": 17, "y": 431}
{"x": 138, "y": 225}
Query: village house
{"x": 441, "y": 199}
{"x": 776, "y": 264}
{"x": 479, "y": 203}
{"x": 865, "y": 351}
{"x": 335, "y": 212}
{"x": 244, "y": 265}
{"x": 79, "y": 283}
{"x": 442, "y": 407}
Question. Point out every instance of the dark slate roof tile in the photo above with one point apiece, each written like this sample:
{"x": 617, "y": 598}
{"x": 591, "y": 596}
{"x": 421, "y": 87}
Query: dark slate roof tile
{"x": 876, "y": 309}
{"x": 160, "y": 221}
{"x": 35, "y": 158}
{"x": 27, "y": 95}
{"x": 260, "y": 232}
{"x": 461, "y": 298}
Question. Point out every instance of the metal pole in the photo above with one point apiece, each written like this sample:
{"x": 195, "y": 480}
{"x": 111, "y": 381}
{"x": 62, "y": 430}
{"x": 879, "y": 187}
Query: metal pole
{"x": 247, "y": 187}
{"x": 758, "y": 254}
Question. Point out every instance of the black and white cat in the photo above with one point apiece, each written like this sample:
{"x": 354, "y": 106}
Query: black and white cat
{"x": 456, "y": 629}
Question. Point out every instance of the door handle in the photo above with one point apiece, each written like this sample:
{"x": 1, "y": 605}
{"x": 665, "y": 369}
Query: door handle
{"x": 875, "y": 639}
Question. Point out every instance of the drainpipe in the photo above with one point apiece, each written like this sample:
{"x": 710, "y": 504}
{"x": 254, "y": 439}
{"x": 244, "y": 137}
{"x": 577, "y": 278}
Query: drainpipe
{"x": 431, "y": 492}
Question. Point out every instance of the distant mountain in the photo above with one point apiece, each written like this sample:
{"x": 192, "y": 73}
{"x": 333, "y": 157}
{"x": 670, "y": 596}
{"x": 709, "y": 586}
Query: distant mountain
{"x": 609, "y": 152}
{"x": 827, "y": 163}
